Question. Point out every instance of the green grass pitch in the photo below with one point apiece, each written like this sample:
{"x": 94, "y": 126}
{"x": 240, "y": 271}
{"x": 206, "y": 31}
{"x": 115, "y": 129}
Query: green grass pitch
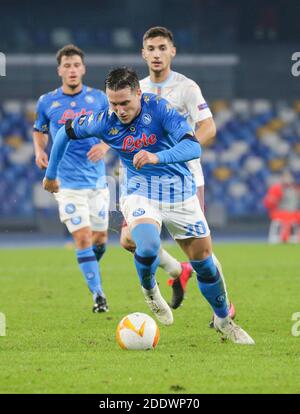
{"x": 55, "y": 344}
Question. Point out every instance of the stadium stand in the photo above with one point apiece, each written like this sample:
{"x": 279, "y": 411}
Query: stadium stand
{"x": 256, "y": 141}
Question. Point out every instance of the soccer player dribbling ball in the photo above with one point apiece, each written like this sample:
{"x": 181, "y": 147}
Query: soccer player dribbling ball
{"x": 154, "y": 143}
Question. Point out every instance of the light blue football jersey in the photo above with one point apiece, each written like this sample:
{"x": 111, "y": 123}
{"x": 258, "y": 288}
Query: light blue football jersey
{"x": 53, "y": 110}
{"x": 158, "y": 127}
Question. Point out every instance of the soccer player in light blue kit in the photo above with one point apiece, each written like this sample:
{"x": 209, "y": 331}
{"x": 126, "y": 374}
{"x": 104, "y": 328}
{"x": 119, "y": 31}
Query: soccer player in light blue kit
{"x": 154, "y": 143}
{"x": 83, "y": 198}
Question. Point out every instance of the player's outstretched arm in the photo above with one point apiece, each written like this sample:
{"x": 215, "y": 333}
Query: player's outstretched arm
{"x": 187, "y": 149}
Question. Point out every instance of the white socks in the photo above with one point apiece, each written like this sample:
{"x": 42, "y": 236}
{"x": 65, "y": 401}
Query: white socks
{"x": 169, "y": 263}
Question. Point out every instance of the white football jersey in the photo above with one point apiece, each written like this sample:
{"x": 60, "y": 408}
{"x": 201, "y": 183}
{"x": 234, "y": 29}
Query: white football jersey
{"x": 184, "y": 95}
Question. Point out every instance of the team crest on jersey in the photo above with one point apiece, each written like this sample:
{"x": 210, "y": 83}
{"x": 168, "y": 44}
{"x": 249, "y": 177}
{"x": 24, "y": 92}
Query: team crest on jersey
{"x": 91, "y": 117}
{"x": 73, "y": 103}
{"x": 89, "y": 99}
{"x": 113, "y": 131}
{"x": 147, "y": 118}
{"x": 146, "y": 98}
{"x": 55, "y": 104}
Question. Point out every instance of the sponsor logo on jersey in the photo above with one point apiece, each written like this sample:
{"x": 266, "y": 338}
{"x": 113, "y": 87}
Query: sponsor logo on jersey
{"x": 147, "y": 118}
{"x": 55, "y": 104}
{"x": 70, "y": 114}
{"x": 129, "y": 144}
{"x": 89, "y": 99}
{"x": 138, "y": 212}
{"x": 202, "y": 106}
{"x": 113, "y": 131}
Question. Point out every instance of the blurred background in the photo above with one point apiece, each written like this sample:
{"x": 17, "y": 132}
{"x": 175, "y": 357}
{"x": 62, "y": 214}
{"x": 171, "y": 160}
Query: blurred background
{"x": 240, "y": 53}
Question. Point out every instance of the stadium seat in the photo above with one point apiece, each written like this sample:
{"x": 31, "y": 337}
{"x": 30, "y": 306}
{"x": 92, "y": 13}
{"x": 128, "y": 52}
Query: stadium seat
{"x": 255, "y": 141}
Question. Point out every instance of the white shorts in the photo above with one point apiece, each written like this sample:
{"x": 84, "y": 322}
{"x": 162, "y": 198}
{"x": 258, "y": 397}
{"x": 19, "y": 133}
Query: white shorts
{"x": 196, "y": 169}
{"x": 183, "y": 220}
{"x": 83, "y": 208}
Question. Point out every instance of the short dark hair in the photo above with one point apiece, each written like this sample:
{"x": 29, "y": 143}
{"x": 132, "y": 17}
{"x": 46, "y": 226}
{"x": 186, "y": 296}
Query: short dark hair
{"x": 121, "y": 78}
{"x": 158, "y": 31}
{"x": 69, "y": 50}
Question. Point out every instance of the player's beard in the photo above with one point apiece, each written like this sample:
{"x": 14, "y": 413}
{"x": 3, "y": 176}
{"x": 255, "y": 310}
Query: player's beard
{"x": 73, "y": 86}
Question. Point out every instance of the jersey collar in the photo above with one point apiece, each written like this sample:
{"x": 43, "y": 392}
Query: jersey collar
{"x": 164, "y": 83}
{"x": 72, "y": 95}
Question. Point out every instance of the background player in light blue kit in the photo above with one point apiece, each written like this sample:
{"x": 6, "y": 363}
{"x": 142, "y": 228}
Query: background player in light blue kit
{"x": 154, "y": 143}
{"x": 83, "y": 198}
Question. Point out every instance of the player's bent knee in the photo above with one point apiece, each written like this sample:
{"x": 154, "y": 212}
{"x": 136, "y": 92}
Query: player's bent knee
{"x": 146, "y": 238}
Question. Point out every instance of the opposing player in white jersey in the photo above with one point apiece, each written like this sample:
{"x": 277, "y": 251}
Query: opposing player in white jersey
{"x": 186, "y": 97}
{"x": 84, "y": 198}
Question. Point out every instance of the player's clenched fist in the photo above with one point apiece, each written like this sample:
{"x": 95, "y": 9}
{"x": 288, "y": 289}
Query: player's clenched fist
{"x": 51, "y": 185}
{"x": 144, "y": 157}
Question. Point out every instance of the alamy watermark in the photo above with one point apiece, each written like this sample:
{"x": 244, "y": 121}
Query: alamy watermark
{"x": 2, "y": 64}
{"x": 296, "y": 66}
{"x": 2, "y": 324}
{"x": 296, "y": 326}
{"x": 164, "y": 189}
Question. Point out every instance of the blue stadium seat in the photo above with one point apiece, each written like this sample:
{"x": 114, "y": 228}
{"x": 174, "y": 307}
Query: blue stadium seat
{"x": 250, "y": 148}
